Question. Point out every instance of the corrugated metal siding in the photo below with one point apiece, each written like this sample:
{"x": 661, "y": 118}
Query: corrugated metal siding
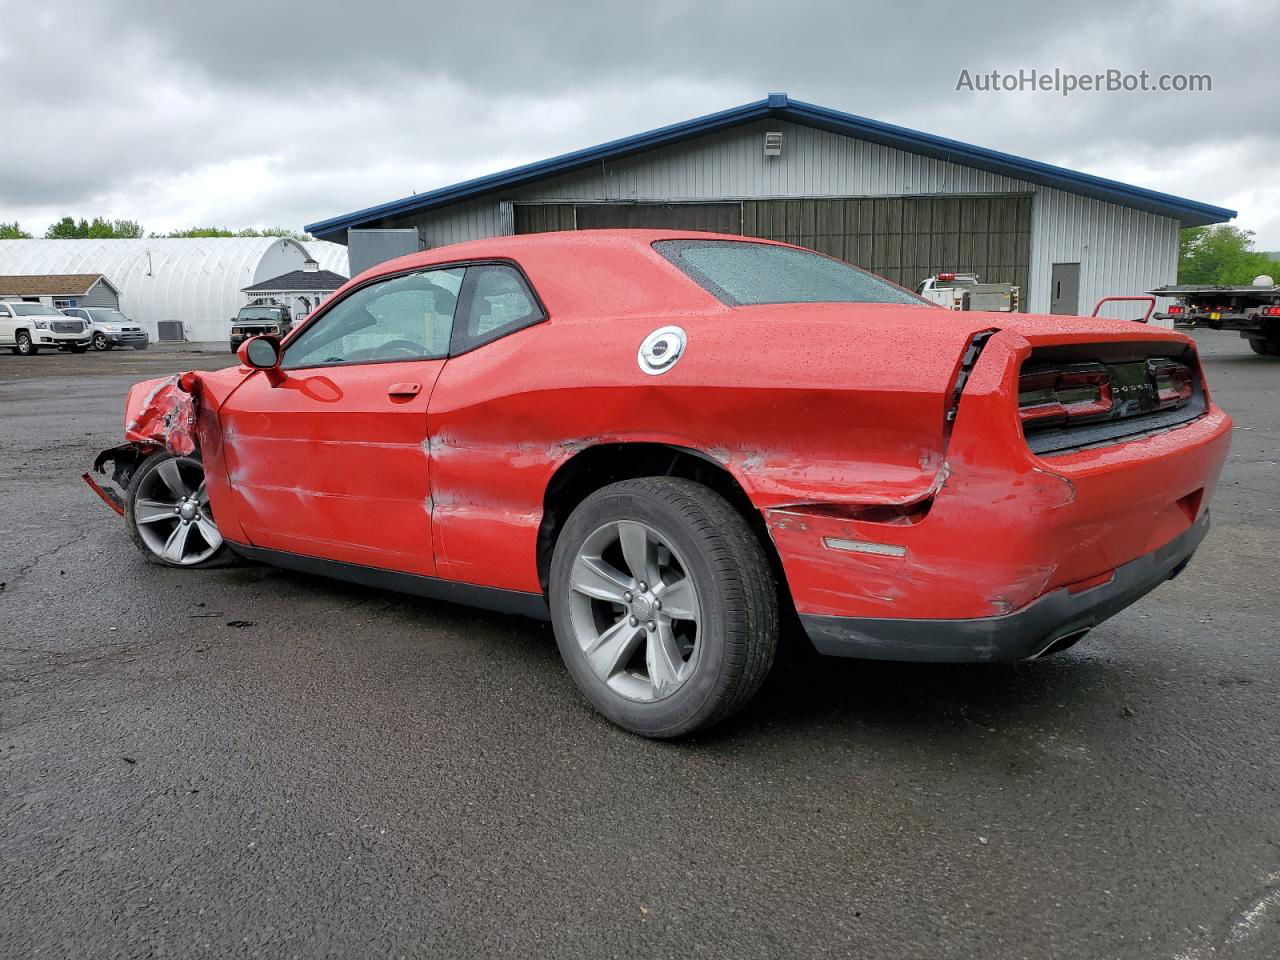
{"x": 544, "y": 217}
{"x": 906, "y": 238}
{"x": 1121, "y": 251}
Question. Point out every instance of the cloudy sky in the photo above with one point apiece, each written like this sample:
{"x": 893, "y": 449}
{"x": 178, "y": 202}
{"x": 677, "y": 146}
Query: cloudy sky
{"x": 279, "y": 113}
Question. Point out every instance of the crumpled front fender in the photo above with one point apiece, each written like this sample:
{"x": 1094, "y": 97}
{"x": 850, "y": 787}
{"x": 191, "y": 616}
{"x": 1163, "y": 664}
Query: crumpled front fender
{"x": 166, "y": 415}
{"x": 159, "y": 415}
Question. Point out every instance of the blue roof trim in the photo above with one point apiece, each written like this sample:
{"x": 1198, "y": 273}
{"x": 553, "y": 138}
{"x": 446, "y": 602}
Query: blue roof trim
{"x": 779, "y": 105}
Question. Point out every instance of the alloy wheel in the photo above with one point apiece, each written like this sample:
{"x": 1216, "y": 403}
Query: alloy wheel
{"x": 634, "y": 610}
{"x": 172, "y": 514}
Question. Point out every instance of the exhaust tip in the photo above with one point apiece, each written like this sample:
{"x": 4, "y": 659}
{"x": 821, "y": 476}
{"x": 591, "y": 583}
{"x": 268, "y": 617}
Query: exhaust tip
{"x": 1062, "y": 642}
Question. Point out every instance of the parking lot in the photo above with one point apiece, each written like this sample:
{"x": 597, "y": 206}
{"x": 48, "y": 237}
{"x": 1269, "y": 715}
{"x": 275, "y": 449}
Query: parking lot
{"x": 254, "y": 762}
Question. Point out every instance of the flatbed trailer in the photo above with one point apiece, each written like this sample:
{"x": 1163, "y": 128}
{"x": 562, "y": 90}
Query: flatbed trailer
{"x": 1252, "y": 310}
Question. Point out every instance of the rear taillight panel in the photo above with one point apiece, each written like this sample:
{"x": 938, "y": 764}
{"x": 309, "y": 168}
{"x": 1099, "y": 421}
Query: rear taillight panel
{"x": 1067, "y": 399}
{"x": 1057, "y": 395}
{"x": 1173, "y": 382}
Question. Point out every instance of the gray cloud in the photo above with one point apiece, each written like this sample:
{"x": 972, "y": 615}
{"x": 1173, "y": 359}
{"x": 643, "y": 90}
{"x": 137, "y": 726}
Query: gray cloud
{"x": 258, "y": 113}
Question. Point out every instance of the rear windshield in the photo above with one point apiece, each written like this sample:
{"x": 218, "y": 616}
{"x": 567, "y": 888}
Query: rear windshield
{"x": 740, "y": 273}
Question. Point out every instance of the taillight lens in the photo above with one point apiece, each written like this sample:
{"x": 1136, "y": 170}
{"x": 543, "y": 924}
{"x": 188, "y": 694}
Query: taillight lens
{"x": 1172, "y": 382}
{"x": 1174, "y": 310}
{"x": 1271, "y": 311}
{"x": 1054, "y": 396}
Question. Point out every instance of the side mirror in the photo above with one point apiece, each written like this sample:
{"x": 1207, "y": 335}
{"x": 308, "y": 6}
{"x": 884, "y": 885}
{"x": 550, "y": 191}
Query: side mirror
{"x": 263, "y": 353}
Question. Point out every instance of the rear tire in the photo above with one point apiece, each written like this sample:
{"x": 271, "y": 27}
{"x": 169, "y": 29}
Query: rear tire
{"x": 166, "y": 510}
{"x": 663, "y": 670}
{"x": 1267, "y": 348}
{"x": 25, "y": 347}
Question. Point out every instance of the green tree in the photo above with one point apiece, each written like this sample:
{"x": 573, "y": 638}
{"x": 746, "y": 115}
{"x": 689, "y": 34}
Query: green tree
{"x": 202, "y": 232}
{"x": 246, "y": 232}
{"x": 68, "y": 228}
{"x": 273, "y": 232}
{"x": 13, "y": 231}
{"x": 1222, "y": 255}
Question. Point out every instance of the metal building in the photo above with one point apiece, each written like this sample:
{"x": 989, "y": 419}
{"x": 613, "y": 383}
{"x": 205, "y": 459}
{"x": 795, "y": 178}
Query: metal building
{"x": 902, "y": 203}
{"x": 191, "y": 284}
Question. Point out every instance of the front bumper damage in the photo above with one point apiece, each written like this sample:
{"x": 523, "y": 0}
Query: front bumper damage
{"x": 1049, "y": 624}
{"x": 164, "y": 420}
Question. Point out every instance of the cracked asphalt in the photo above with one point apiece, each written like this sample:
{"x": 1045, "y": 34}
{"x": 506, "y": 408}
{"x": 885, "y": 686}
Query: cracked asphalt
{"x": 352, "y": 773}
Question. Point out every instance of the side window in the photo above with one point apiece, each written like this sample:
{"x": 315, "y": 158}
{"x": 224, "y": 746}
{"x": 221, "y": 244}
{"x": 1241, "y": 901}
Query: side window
{"x": 409, "y": 317}
{"x": 500, "y": 303}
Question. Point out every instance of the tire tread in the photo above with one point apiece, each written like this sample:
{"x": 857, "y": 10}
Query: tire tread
{"x": 744, "y": 575}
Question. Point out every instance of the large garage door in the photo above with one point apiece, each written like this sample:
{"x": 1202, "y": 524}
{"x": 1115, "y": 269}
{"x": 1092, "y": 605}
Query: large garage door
{"x": 907, "y": 238}
{"x": 903, "y": 238}
{"x": 716, "y": 217}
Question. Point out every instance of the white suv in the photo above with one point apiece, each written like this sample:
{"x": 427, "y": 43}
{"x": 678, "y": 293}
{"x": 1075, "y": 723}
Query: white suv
{"x": 26, "y": 327}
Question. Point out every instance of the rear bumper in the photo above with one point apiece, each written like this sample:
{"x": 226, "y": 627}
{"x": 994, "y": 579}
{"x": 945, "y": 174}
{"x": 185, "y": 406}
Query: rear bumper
{"x": 1048, "y": 624}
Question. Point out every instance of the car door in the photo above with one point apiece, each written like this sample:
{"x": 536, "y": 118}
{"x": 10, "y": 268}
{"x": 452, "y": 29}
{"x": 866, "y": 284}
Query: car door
{"x": 332, "y": 461}
{"x": 7, "y": 325}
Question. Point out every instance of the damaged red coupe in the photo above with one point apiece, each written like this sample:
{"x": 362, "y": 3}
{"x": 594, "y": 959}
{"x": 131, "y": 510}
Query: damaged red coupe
{"x": 670, "y": 444}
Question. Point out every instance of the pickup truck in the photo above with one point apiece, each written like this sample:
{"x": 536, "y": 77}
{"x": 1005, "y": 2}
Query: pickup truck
{"x": 1253, "y": 311}
{"x": 259, "y": 319}
{"x": 25, "y": 327}
{"x": 964, "y": 291}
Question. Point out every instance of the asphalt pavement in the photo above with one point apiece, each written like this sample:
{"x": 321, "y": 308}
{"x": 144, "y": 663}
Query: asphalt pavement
{"x": 249, "y": 762}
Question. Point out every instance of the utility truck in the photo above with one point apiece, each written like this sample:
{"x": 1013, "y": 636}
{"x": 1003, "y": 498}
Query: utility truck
{"x": 964, "y": 291}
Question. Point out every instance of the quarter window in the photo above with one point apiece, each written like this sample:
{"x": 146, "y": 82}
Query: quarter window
{"x": 409, "y": 317}
{"x": 499, "y": 303}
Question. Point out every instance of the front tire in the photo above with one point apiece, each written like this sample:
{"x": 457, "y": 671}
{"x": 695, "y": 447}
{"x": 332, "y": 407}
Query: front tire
{"x": 664, "y": 605}
{"x": 77, "y": 349}
{"x": 25, "y": 347}
{"x": 100, "y": 342}
{"x": 168, "y": 515}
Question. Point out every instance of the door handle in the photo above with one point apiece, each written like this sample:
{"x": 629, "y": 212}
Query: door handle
{"x": 404, "y": 389}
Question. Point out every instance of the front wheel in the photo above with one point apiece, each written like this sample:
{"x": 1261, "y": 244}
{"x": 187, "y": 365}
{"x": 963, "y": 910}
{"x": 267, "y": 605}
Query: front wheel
{"x": 168, "y": 514}
{"x": 100, "y": 342}
{"x": 77, "y": 349}
{"x": 664, "y": 606}
{"x": 25, "y": 347}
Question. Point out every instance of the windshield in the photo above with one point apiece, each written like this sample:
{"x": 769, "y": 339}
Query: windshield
{"x": 740, "y": 273}
{"x": 34, "y": 310}
{"x": 107, "y": 315}
{"x": 259, "y": 313}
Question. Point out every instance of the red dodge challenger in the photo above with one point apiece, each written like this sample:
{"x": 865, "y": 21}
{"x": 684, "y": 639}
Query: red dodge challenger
{"x": 672, "y": 443}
